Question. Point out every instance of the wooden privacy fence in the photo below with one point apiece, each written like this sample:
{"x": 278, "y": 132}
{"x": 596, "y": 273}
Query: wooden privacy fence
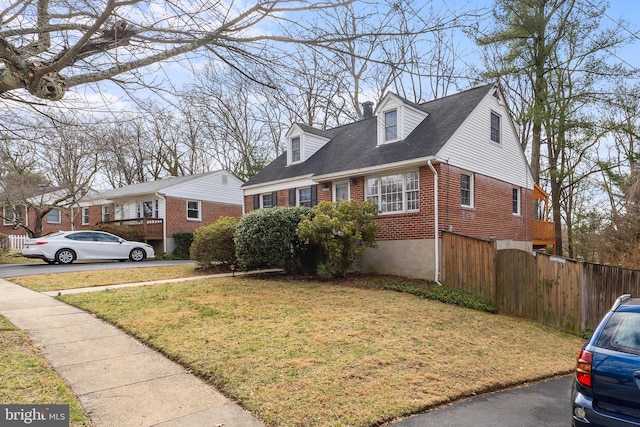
{"x": 566, "y": 294}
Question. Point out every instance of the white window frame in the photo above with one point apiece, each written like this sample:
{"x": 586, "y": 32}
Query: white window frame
{"x": 105, "y": 213}
{"x": 154, "y": 209}
{"x": 298, "y": 151}
{"x": 470, "y": 189}
{"x": 516, "y": 201}
{"x": 9, "y": 219}
{"x": 498, "y": 130}
{"x": 396, "y": 125}
{"x": 198, "y": 210}
{"x": 84, "y": 213}
{"x": 54, "y": 220}
{"x": 335, "y": 190}
{"x": 374, "y": 192}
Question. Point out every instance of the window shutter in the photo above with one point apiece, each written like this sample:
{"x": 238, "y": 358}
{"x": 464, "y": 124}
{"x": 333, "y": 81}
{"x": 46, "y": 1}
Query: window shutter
{"x": 292, "y": 197}
{"x": 256, "y": 201}
{"x": 314, "y": 195}
{"x": 274, "y": 196}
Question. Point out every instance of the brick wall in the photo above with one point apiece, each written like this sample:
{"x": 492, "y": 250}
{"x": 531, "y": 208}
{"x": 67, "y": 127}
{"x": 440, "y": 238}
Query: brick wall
{"x": 491, "y": 216}
{"x": 176, "y": 218}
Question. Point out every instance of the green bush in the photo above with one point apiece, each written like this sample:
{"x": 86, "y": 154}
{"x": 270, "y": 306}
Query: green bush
{"x": 214, "y": 243}
{"x": 126, "y": 232}
{"x": 183, "y": 242}
{"x": 343, "y": 230}
{"x": 267, "y": 238}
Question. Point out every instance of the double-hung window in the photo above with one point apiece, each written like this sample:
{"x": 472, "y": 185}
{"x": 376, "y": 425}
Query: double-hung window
{"x": 495, "y": 127}
{"x": 85, "y": 216}
{"x": 194, "y": 210}
{"x": 11, "y": 214}
{"x": 395, "y": 193}
{"x": 54, "y": 216}
{"x": 106, "y": 213}
{"x": 304, "y": 197}
{"x": 515, "y": 204}
{"x": 391, "y": 125}
{"x": 466, "y": 190}
{"x": 341, "y": 191}
{"x": 295, "y": 149}
{"x": 267, "y": 200}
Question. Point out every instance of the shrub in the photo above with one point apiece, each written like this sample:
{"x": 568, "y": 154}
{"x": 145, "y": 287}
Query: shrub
{"x": 344, "y": 230}
{"x": 5, "y": 244}
{"x": 183, "y": 242}
{"x": 267, "y": 238}
{"x": 126, "y": 232}
{"x": 214, "y": 243}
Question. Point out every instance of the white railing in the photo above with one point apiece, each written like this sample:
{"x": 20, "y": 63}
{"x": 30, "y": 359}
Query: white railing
{"x": 16, "y": 243}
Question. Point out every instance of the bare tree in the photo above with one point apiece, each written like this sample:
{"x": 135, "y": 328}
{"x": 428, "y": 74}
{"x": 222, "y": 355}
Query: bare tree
{"x": 47, "y": 47}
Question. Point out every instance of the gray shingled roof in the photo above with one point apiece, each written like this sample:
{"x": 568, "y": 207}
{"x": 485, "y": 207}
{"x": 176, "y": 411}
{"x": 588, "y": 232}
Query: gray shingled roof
{"x": 147, "y": 187}
{"x": 354, "y": 146}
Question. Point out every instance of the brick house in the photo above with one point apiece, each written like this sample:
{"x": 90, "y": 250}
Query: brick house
{"x": 56, "y": 219}
{"x": 165, "y": 207}
{"x": 454, "y": 163}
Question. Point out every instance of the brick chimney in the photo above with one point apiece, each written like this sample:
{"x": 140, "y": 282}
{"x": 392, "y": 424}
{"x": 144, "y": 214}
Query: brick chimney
{"x": 367, "y": 110}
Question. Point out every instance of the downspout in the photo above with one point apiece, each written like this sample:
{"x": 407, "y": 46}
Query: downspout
{"x": 436, "y": 228}
{"x": 164, "y": 223}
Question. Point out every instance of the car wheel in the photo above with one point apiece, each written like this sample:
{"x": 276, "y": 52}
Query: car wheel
{"x": 65, "y": 256}
{"x": 137, "y": 254}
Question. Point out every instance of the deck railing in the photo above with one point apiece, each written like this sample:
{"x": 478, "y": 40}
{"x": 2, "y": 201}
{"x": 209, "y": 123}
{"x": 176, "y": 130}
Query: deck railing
{"x": 152, "y": 228}
{"x": 543, "y": 233}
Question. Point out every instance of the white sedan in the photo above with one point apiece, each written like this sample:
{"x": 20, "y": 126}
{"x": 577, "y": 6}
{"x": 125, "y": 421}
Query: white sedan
{"x": 64, "y": 247}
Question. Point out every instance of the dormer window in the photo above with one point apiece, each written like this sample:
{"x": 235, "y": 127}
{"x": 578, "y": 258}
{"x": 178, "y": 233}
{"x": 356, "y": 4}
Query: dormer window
{"x": 391, "y": 125}
{"x": 295, "y": 149}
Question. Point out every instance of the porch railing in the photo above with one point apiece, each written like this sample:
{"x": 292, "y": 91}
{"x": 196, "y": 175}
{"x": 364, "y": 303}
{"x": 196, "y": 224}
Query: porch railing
{"x": 152, "y": 228}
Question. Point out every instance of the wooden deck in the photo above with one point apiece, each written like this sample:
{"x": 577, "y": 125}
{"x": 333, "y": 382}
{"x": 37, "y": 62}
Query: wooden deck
{"x": 152, "y": 228}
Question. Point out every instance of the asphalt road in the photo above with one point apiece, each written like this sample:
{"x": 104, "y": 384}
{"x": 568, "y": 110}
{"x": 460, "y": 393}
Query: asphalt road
{"x": 14, "y": 270}
{"x": 543, "y": 404}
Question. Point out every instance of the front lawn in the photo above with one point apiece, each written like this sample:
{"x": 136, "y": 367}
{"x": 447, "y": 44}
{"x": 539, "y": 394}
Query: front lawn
{"x": 27, "y": 378}
{"x": 308, "y": 353}
{"x": 61, "y": 281}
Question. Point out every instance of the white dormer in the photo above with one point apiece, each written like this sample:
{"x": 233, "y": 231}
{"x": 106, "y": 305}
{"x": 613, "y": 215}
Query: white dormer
{"x": 303, "y": 142}
{"x": 397, "y": 118}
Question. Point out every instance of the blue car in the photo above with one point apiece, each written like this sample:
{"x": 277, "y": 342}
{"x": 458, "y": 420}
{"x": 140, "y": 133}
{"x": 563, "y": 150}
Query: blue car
{"x": 606, "y": 386}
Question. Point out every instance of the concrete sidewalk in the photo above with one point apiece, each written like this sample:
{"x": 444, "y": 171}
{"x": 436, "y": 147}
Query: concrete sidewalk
{"x": 119, "y": 381}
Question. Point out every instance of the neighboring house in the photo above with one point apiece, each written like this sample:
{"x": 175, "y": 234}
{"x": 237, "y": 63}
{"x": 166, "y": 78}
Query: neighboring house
{"x": 56, "y": 219}
{"x": 454, "y": 163}
{"x": 165, "y": 207}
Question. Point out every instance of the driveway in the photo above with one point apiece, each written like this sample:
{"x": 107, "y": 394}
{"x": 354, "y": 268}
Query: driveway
{"x": 542, "y": 404}
{"x": 15, "y": 270}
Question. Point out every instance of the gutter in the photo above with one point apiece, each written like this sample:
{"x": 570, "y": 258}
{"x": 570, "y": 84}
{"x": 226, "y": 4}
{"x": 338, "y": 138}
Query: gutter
{"x": 164, "y": 223}
{"x": 435, "y": 204}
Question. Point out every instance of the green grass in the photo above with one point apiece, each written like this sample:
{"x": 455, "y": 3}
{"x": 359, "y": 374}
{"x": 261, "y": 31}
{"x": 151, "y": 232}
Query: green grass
{"x": 26, "y": 377}
{"x": 308, "y": 353}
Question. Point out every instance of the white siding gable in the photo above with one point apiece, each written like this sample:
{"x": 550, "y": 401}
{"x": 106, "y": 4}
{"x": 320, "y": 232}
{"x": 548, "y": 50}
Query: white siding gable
{"x": 408, "y": 118}
{"x": 471, "y": 147}
{"x": 219, "y": 186}
{"x": 309, "y": 143}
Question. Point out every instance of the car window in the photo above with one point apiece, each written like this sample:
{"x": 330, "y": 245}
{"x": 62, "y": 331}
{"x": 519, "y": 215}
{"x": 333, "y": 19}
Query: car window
{"x": 622, "y": 333}
{"x": 81, "y": 237}
{"x": 100, "y": 237}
